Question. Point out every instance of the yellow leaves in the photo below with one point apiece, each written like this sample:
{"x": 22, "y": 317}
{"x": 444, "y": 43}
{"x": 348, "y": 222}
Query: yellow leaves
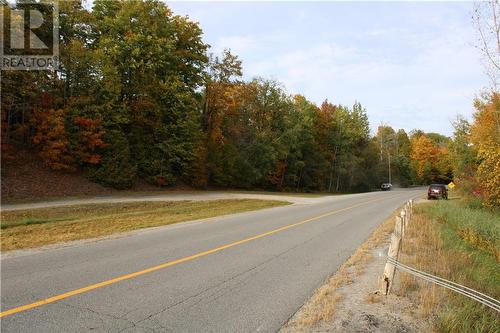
{"x": 424, "y": 153}
{"x": 223, "y": 99}
{"x": 485, "y": 135}
{"x": 477, "y": 240}
{"x": 430, "y": 159}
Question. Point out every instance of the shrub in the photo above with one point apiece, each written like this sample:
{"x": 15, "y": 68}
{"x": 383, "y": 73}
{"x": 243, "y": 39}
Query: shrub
{"x": 117, "y": 168}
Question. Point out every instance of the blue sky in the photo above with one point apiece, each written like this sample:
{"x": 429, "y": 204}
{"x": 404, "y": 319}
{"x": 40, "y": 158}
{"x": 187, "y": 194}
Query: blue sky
{"x": 411, "y": 64}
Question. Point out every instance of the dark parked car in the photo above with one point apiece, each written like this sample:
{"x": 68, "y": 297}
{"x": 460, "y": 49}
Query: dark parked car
{"x": 437, "y": 191}
{"x": 386, "y": 187}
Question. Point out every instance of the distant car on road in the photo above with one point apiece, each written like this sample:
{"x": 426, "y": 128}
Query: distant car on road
{"x": 386, "y": 186}
{"x": 437, "y": 191}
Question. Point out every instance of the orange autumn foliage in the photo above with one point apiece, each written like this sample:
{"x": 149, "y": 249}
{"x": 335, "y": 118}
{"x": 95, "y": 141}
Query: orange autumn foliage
{"x": 61, "y": 150}
{"x": 52, "y": 139}
{"x": 485, "y": 136}
{"x": 90, "y": 138}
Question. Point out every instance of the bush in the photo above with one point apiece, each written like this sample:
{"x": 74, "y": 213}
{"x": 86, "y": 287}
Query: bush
{"x": 116, "y": 168}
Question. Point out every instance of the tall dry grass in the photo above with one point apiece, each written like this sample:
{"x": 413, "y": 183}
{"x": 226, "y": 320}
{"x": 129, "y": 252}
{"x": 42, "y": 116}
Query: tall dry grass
{"x": 436, "y": 243}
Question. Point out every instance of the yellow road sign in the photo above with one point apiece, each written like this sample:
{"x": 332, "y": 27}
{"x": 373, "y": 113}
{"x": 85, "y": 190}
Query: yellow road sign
{"x": 451, "y": 185}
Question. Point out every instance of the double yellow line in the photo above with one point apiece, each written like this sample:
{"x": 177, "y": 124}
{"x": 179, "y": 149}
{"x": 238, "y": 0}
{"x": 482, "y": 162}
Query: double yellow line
{"x": 172, "y": 263}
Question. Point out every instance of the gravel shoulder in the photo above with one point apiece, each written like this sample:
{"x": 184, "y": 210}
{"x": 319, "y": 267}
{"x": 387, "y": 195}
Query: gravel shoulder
{"x": 362, "y": 310}
{"x": 349, "y": 300}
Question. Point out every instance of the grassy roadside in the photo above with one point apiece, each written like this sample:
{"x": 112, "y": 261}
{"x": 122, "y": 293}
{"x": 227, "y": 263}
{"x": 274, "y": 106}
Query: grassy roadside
{"x": 112, "y": 193}
{"x": 37, "y": 227}
{"x": 453, "y": 240}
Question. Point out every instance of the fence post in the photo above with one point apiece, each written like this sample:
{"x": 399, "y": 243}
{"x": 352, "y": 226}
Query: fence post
{"x": 399, "y": 227}
{"x": 404, "y": 217}
{"x": 389, "y": 270}
{"x": 401, "y": 223}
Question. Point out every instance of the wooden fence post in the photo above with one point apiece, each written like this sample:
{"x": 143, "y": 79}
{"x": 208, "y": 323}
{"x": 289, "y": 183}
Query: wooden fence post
{"x": 389, "y": 270}
{"x": 399, "y": 227}
{"x": 401, "y": 223}
{"x": 404, "y": 218}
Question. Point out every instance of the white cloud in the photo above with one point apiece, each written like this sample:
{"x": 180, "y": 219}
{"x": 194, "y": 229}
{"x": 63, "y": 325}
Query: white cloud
{"x": 410, "y": 64}
{"x": 426, "y": 90}
{"x": 238, "y": 44}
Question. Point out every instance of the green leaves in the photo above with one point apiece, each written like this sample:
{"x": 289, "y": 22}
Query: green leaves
{"x": 138, "y": 77}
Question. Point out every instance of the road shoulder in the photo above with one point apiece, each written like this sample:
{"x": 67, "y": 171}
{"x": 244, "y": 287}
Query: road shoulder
{"x": 349, "y": 300}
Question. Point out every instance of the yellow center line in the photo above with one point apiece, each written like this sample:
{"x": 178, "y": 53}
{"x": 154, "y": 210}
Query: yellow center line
{"x": 172, "y": 263}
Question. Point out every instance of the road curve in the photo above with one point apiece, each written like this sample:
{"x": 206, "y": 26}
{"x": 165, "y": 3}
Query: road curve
{"x": 176, "y": 196}
{"x": 237, "y": 273}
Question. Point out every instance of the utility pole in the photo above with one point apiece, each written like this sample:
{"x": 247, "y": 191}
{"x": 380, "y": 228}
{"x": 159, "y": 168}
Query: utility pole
{"x": 389, "y": 158}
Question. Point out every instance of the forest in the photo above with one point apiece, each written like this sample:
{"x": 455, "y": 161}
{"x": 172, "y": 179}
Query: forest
{"x": 138, "y": 95}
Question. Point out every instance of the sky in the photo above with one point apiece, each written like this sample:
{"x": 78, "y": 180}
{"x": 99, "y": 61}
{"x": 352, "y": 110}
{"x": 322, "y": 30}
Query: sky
{"x": 410, "y": 64}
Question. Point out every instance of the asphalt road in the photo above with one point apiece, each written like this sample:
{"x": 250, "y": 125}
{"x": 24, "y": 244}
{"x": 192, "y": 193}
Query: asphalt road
{"x": 239, "y": 273}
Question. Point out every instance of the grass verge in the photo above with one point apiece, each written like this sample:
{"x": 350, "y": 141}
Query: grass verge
{"x": 38, "y": 227}
{"x": 460, "y": 243}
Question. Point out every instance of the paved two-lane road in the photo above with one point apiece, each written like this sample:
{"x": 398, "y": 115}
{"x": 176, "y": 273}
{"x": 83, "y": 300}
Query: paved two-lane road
{"x": 239, "y": 273}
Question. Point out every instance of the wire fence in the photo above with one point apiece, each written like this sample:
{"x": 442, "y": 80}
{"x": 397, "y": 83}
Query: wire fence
{"x": 392, "y": 263}
{"x": 468, "y": 292}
